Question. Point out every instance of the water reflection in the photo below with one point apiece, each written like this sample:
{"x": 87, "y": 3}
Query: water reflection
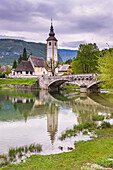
{"x": 45, "y": 116}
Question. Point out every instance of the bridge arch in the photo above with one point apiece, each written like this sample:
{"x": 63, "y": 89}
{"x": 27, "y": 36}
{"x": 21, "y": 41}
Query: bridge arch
{"x": 58, "y": 82}
{"x": 94, "y": 83}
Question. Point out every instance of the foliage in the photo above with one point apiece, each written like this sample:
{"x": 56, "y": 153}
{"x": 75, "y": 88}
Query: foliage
{"x": 69, "y": 61}
{"x": 71, "y": 86}
{"x": 86, "y": 60}
{"x": 4, "y": 70}
{"x": 105, "y": 66}
{"x": 14, "y": 63}
{"x": 18, "y": 152}
{"x": 24, "y": 57}
{"x": 97, "y": 117}
{"x": 52, "y": 65}
{"x": 19, "y": 59}
{"x": 105, "y": 125}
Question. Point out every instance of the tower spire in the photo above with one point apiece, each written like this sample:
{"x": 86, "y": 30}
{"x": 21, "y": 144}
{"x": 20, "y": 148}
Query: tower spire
{"x": 51, "y": 34}
{"x": 51, "y": 22}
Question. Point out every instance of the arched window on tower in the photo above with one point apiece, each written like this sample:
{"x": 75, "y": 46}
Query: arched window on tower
{"x": 49, "y": 43}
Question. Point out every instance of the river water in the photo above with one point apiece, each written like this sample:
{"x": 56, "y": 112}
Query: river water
{"x": 28, "y": 117}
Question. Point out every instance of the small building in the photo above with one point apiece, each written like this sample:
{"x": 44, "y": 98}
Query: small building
{"x": 34, "y": 66}
{"x": 63, "y": 68}
{"x": 38, "y": 64}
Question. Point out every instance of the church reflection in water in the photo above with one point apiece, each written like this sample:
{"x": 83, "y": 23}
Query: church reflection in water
{"x": 44, "y": 104}
{"x": 52, "y": 121}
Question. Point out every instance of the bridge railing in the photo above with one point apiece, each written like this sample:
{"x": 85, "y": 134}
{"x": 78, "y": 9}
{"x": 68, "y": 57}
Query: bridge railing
{"x": 93, "y": 75}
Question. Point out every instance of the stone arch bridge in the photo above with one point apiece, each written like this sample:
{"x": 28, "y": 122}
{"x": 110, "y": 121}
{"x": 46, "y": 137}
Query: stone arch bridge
{"x": 87, "y": 82}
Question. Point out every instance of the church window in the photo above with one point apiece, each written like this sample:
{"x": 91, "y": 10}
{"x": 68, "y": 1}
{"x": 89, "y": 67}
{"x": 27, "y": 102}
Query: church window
{"x": 26, "y": 72}
{"x": 49, "y": 43}
{"x": 55, "y": 43}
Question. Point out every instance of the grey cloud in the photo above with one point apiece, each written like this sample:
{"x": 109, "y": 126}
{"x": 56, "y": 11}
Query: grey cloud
{"x": 73, "y": 44}
{"x": 12, "y": 37}
{"x": 70, "y": 16}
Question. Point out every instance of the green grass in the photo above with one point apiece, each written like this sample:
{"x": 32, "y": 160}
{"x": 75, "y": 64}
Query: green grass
{"x": 85, "y": 151}
{"x": 18, "y": 81}
{"x": 70, "y": 88}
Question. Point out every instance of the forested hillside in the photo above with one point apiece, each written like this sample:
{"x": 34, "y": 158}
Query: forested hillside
{"x": 11, "y": 49}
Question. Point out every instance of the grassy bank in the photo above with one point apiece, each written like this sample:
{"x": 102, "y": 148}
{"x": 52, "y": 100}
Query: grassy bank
{"x": 70, "y": 88}
{"x": 17, "y": 81}
{"x": 85, "y": 152}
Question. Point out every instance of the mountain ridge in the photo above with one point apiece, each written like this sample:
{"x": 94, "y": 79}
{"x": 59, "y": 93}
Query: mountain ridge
{"x": 11, "y": 49}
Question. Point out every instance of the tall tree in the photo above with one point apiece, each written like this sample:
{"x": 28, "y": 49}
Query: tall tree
{"x": 105, "y": 66}
{"x": 19, "y": 59}
{"x": 24, "y": 54}
{"x": 52, "y": 65}
{"x": 87, "y": 59}
{"x": 14, "y": 63}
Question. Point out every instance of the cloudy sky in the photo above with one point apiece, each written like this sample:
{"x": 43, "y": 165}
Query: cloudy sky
{"x": 74, "y": 21}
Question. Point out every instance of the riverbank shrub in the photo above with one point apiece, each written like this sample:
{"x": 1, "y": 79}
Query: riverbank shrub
{"x": 84, "y": 128}
{"x": 105, "y": 125}
{"x": 71, "y": 86}
{"x": 98, "y": 117}
{"x": 17, "y": 153}
{"x": 111, "y": 116}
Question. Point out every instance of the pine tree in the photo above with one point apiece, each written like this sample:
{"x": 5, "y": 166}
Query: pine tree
{"x": 19, "y": 59}
{"x": 14, "y": 63}
{"x": 24, "y": 54}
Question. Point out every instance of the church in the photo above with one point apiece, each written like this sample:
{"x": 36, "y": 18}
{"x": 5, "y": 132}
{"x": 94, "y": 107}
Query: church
{"x": 35, "y": 65}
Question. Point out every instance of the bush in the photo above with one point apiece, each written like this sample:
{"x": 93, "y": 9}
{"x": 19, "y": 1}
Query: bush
{"x": 85, "y": 132}
{"x": 105, "y": 125}
{"x": 80, "y": 127}
{"x": 111, "y": 116}
{"x": 98, "y": 117}
{"x": 88, "y": 124}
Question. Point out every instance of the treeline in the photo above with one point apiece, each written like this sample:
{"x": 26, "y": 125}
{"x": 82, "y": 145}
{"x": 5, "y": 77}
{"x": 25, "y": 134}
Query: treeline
{"x": 23, "y": 57}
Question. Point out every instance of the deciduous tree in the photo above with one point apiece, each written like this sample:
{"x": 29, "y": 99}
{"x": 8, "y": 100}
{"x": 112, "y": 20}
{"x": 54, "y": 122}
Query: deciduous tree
{"x": 105, "y": 66}
{"x": 87, "y": 59}
{"x": 52, "y": 65}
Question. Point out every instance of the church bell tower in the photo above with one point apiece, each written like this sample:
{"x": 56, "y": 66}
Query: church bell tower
{"x": 52, "y": 46}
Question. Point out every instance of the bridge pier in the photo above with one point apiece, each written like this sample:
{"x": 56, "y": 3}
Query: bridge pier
{"x": 83, "y": 89}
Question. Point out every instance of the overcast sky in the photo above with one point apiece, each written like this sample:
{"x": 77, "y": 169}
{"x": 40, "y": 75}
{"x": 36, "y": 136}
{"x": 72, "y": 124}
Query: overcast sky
{"x": 74, "y": 21}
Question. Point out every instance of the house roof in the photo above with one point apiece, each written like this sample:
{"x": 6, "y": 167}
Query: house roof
{"x": 63, "y": 68}
{"x": 37, "y": 61}
{"x": 24, "y": 66}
